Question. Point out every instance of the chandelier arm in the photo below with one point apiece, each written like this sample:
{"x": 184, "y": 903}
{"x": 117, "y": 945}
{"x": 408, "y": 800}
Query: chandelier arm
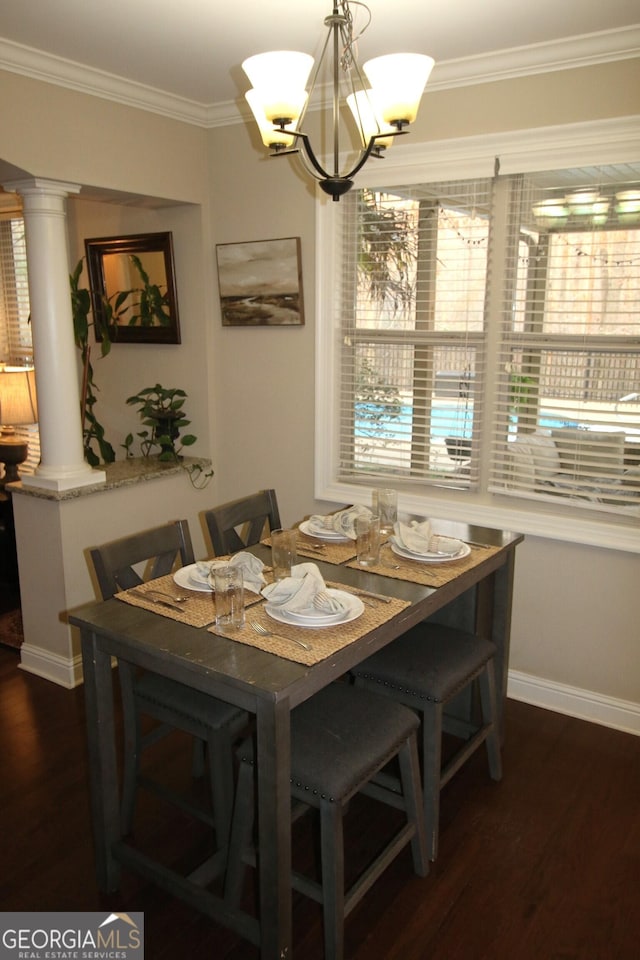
{"x": 314, "y": 79}
{"x": 335, "y": 27}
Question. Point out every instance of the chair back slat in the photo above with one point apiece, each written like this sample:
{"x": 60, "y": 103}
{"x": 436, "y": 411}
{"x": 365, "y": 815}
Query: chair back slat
{"x": 155, "y": 552}
{"x": 241, "y": 523}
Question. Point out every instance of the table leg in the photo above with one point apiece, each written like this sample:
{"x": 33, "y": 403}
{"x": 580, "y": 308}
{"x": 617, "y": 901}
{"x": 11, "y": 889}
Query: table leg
{"x": 274, "y": 828}
{"x": 495, "y": 594}
{"x": 103, "y": 773}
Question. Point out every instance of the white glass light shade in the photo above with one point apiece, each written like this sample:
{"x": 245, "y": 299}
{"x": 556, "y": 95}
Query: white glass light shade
{"x": 628, "y": 206}
{"x": 583, "y": 202}
{"x": 279, "y": 79}
{"x": 363, "y": 107}
{"x": 18, "y": 404}
{"x": 271, "y": 136}
{"x": 550, "y": 211}
{"x": 398, "y": 80}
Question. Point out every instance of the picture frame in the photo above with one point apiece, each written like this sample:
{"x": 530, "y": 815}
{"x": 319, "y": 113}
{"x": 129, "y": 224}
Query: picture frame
{"x": 133, "y": 289}
{"x": 260, "y": 283}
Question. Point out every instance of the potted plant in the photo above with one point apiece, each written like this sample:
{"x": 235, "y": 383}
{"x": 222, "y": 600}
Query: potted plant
{"x": 160, "y": 408}
{"x": 83, "y": 319}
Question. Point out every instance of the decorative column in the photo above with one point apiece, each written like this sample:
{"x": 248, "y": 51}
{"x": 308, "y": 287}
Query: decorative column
{"x": 62, "y": 465}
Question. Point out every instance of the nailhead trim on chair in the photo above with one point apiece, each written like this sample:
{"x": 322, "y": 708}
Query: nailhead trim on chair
{"x": 417, "y": 694}
{"x": 244, "y": 756}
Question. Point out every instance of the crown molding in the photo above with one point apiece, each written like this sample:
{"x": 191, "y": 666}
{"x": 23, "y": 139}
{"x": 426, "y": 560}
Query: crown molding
{"x": 567, "y": 54}
{"x": 570, "y": 53}
{"x": 38, "y": 65}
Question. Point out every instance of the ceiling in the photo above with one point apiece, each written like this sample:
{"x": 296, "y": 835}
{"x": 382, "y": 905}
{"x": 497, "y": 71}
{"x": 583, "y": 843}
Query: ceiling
{"x": 191, "y": 50}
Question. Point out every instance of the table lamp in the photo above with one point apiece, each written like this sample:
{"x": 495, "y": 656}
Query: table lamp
{"x": 18, "y": 406}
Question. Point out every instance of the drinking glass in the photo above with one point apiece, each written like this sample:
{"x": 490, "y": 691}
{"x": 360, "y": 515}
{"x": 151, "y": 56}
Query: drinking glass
{"x": 367, "y": 540}
{"x": 283, "y": 552}
{"x": 228, "y": 583}
{"x": 385, "y": 505}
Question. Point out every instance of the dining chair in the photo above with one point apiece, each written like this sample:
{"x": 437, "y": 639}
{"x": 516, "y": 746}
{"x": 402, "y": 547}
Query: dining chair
{"x": 240, "y": 523}
{"x": 120, "y": 565}
{"x": 426, "y": 668}
{"x": 340, "y": 738}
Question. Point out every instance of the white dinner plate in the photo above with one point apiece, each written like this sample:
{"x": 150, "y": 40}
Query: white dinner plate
{"x": 465, "y": 550}
{"x": 190, "y": 579}
{"x": 354, "y": 608}
{"x": 321, "y": 534}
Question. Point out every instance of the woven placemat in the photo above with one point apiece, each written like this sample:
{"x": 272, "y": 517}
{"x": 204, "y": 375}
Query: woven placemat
{"x": 198, "y": 611}
{"x": 317, "y": 549}
{"x": 426, "y": 574}
{"x": 325, "y": 641}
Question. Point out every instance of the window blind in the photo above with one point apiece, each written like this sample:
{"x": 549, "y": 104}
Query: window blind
{"x": 411, "y": 304}
{"x": 15, "y": 329}
{"x": 566, "y": 414}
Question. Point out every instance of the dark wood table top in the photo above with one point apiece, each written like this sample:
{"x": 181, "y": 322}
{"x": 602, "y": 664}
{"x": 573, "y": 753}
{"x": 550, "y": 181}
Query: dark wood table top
{"x": 243, "y": 674}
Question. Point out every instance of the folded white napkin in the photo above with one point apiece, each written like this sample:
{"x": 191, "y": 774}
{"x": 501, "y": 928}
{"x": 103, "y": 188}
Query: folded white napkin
{"x": 418, "y": 537}
{"x": 342, "y": 522}
{"x": 304, "y": 592}
{"x": 252, "y": 567}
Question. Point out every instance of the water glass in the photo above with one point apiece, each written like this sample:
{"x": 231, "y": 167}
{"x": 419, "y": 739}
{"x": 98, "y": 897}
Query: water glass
{"x": 385, "y": 505}
{"x": 367, "y": 540}
{"x": 283, "y": 552}
{"x": 228, "y": 584}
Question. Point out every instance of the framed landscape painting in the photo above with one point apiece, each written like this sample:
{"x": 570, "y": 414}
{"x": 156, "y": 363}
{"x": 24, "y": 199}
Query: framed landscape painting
{"x": 260, "y": 283}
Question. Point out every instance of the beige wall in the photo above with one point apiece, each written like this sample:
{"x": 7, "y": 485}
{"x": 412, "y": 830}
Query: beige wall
{"x": 251, "y": 391}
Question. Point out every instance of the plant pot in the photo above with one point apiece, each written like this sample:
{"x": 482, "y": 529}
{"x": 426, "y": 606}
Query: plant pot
{"x": 165, "y": 426}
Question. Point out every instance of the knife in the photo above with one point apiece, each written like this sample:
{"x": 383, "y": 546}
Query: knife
{"x": 375, "y": 596}
{"x": 149, "y": 595}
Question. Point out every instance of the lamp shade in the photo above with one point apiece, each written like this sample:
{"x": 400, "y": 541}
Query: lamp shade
{"x": 628, "y": 206}
{"x": 363, "y": 106}
{"x": 18, "y": 403}
{"x": 279, "y": 79}
{"x": 272, "y": 137}
{"x": 398, "y": 80}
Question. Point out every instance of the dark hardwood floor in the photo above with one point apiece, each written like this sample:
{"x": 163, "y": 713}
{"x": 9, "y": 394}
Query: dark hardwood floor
{"x": 543, "y": 866}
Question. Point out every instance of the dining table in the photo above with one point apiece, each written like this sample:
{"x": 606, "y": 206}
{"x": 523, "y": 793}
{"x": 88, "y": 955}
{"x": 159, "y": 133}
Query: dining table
{"x": 268, "y": 677}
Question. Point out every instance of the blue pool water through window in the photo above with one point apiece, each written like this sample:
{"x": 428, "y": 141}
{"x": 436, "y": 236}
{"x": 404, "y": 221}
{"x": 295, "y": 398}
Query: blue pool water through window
{"x": 388, "y": 422}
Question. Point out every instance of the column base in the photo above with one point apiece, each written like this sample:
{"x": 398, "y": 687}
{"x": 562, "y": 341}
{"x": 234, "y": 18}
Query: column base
{"x": 68, "y": 479}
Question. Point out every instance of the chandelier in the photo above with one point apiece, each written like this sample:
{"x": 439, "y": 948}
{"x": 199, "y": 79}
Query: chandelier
{"x": 383, "y": 96}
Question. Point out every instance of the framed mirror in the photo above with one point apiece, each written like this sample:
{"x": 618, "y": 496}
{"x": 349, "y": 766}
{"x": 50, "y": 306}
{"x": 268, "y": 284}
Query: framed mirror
{"x": 133, "y": 287}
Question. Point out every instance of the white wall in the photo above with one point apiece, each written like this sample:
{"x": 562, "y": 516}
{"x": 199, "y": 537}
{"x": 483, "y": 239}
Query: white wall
{"x": 575, "y": 635}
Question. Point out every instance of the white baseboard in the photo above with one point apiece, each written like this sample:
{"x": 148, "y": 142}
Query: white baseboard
{"x": 574, "y": 702}
{"x": 61, "y": 670}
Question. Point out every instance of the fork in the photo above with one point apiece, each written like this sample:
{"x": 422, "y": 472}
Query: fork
{"x": 305, "y": 545}
{"x": 263, "y": 632}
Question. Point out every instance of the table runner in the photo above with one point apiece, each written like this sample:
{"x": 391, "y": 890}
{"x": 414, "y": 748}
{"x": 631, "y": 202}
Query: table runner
{"x": 426, "y": 574}
{"x": 324, "y": 641}
{"x": 198, "y": 611}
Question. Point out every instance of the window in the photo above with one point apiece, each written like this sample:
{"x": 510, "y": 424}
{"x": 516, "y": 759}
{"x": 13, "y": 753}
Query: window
{"x": 566, "y": 419}
{"x": 15, "y": 328}
{"x": 486, "y": 346}
{"x": 414, "y": 276}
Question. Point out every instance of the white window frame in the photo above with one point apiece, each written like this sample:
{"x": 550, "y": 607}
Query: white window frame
{"x": 526, "y": 151}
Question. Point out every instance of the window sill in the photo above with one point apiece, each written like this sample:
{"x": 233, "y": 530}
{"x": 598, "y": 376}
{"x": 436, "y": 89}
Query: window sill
{"x": 533, "y": 519}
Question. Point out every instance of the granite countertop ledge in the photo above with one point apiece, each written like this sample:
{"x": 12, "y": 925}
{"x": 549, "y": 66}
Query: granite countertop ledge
{"x": 121, "y": 473}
